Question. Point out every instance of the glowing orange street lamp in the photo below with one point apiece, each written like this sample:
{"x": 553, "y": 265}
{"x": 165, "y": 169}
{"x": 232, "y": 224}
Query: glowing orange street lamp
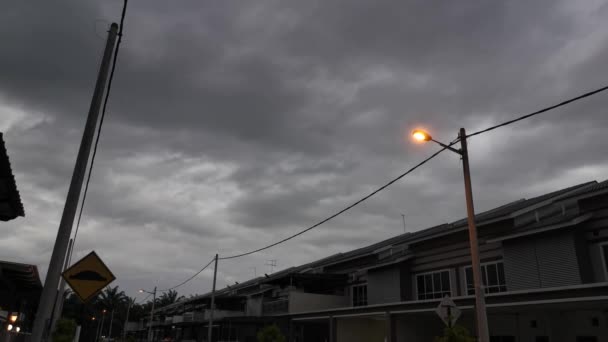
{"x": 421, "y": 135}
{"x": 13, "y": 317}
{"x": 480, "y": 305}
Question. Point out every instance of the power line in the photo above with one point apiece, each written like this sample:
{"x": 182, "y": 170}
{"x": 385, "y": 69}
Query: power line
{"x": 187, "y": 280}
{"x": 343, "y": 210}
{"x": 103, "y": 114}
{"x": 574, "y": 99}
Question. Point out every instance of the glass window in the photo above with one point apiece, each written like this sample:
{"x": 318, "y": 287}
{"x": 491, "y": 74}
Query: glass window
{"x": 492, "y": 276}
{"x": 359, "y": 295}
{"x": 586, "y": 339}
{"x": 434, "y": 285}
{"x": 605, "y": 253}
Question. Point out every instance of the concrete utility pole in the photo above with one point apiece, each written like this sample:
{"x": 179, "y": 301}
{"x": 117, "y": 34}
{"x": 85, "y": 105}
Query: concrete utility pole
{"x": 45, "y": 306}
{"x": 60, "y": 294}
{"x": 483, "y": 333}
{"x": 210, "y": 330}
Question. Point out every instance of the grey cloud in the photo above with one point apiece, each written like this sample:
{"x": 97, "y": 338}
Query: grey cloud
{"x": 231, "y": 125}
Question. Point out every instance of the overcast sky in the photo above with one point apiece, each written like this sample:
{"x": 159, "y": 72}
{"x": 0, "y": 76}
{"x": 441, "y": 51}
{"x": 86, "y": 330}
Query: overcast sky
{"x": 233, "y": 124}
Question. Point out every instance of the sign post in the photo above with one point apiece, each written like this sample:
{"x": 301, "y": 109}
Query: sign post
{"x": 448, "y": 311}
{"x": 88, "y": 277}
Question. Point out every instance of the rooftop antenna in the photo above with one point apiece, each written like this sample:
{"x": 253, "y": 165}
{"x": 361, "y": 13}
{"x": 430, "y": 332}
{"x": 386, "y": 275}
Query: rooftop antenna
{"x": 272, "y": 263}
{"x": 403, "y": 217}
{"x": 255, "y": 272}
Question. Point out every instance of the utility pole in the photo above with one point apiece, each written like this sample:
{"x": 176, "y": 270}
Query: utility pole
{"x": 403, "y": 217}
{"x": 111, "y": 322}
{"x": 45, "y": 306}
{"x": 96, "y": 332}
{"x": 60, "y": 294}
{"x": 483, "y": 333}
{"x": 210, "y": 330}
{"x": 151, "y": 315}
{"x": 124, "y": 328}
{"x": 100, "y": 330}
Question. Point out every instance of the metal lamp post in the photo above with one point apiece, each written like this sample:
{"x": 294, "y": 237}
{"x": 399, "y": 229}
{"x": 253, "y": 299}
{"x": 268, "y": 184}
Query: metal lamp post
{"x": 153, "y": 293}
{"x": 124, "y": 328}
{"x": 480, "y": 305}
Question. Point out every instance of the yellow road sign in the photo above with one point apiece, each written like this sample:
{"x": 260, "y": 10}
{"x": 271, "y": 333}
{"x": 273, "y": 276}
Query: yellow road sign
{"x": 88, "y": 276}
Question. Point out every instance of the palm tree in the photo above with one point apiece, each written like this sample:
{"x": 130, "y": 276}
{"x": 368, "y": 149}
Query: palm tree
{"x": 115, "y": 302}
{"x": 169, "y": 298}
{"x": 112, "y": 298}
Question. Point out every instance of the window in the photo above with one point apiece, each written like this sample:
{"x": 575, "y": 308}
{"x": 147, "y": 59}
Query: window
{"x": 586, "y": 339}
{"x": 492, "y": 276}
{"x": 605, "y": 258}
{"x": 434, "y": 285}
{"x": 359, "y": 295}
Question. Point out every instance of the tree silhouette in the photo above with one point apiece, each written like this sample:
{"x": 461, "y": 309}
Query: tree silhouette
{"x": 168, "y": 298}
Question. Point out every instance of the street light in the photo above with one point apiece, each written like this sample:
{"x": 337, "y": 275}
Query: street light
{"x": 13, "y": 317}
{"x": 421, "y": 135}
{"x": 17, "y": 329}
{"x": 9, "y": 327}
{"x": 480, "y": 304}
{"x": 153, "y": 293}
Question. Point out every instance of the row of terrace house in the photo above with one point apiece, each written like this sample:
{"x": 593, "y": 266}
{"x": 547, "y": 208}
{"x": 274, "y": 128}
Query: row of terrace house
{"x": 544, "y": 269}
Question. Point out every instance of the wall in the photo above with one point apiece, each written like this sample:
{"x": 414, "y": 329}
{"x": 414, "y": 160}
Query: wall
{"x": 355, "y": 329}
{"x": 597, "y": 263}
{"x": 254, "y": 306}
{"x": 303, "y": 302}
{"x": 384, "y": 285}
{"x": 418, "y": 327}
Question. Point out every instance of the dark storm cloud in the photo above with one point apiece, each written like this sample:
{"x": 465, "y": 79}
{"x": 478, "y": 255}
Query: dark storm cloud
{"x": 234, "y": 124}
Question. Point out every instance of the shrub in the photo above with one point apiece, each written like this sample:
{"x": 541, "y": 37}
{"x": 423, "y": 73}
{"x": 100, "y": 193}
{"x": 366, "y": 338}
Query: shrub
{"x": 456, "y": 333}
{"x": 270, "y": 333}
{"x": 65, "y": 330}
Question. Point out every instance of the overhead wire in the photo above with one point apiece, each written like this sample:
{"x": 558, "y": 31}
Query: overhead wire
{"x": 563, "y": 103}
{"x": 341, "y": 211}
{"x": 187, "y": 280}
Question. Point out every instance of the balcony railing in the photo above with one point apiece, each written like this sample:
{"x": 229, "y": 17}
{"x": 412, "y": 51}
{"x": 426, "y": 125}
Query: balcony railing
{"x": 275, "y": 307}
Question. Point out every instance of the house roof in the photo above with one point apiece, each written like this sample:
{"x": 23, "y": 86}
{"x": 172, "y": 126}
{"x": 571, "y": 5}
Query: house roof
{"x": 10, "y": 201}
{"x": 24, "y": 276}
{"x": 550, "y": 224}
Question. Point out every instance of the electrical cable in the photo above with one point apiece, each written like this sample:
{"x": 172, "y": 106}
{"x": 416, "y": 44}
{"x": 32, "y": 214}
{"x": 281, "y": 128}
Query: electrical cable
{"x": 343, "y": 210}
{"x": 187, "y": 280}
{"x": 563, "y": 103}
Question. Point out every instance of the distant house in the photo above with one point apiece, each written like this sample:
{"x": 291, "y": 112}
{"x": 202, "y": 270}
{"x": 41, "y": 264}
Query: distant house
{"x": 20, "y": 290}
{"x": 545, "y": 272}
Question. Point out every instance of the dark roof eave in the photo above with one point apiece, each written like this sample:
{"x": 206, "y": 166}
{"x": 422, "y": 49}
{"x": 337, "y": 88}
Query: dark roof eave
{"x": 6, "y": 173}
